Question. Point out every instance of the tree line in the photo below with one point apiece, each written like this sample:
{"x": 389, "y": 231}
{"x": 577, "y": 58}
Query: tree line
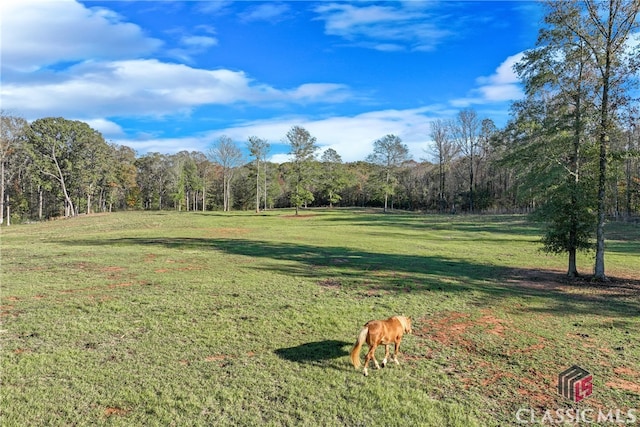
{"x": 569, "y": 154}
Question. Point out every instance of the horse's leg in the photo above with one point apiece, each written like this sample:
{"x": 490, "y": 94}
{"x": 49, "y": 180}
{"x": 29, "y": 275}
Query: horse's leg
{"x": 386, "y": 355}
{"x": 366, "y": 364}
{"x": 367, "y": 359}
{"x": 372, "y": 355}
{"x": 396, "y": 351}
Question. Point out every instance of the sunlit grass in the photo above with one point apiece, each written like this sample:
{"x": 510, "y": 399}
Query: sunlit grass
{"x": 242, "y": 319}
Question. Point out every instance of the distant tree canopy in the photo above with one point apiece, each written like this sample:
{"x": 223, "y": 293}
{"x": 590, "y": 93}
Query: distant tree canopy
{"x": 57, "y": 167}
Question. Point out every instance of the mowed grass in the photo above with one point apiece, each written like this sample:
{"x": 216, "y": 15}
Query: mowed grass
{"x": 241, "y": 319}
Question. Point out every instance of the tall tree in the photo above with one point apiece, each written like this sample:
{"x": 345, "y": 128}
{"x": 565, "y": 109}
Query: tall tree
{"x": 226, "y": 154}
{"x": 389, "y": 152}
{"x": 12, "y": 132}
{"x": 443, "y": 150}
{"x": 57, "y": 147}
{"x": 334, "y": 177}
{"x": 302, "y": 149}
{"x": 127, "y": 192}
{"x": 605, "y": 28}
{"x": 258, "y": 148}
{"x": 558, "y": 74}
{"x": 465, "y": 131}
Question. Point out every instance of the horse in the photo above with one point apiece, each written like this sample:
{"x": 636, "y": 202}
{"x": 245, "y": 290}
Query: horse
{"x": 376, "y": 332}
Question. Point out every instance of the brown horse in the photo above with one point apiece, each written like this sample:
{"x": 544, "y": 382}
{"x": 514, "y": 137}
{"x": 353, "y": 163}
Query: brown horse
{"x": 376, "y": 332}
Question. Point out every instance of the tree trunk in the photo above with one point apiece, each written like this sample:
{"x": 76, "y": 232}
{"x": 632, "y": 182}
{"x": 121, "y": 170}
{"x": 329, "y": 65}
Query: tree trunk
{"x": 40, "y": 202}
{"x": 599, "y": 270}
{"x": 471, "y": 179}
{"x": 386, "y": 191}
{"x": 1, "y": 192}
{"x": 265, "y": 186}
{"x": 257, "y": 186}
{"x": 69, "y": 209}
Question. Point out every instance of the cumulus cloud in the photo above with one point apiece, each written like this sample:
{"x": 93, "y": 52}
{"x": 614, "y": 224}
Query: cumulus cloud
{"x": 150, "y": 88}
{"x": 351, "y": 136}
{"x": 106, "y": 127}
{"x": 38, "y": 33}
{"x": 501, "y": 86}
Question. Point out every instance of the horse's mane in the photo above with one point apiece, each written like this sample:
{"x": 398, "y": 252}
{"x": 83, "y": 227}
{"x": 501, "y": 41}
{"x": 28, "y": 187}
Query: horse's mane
{"x": 404, "y": 321}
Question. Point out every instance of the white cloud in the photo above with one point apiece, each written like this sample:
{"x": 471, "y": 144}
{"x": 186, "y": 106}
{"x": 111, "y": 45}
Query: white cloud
{"x": 192, "y": 45}
{"x": 268, "y": 11}
{"x": 351, "y": 136}
{"x": 199, "y": 42}
{"x": 144, "y": 145}
{"x": 105, "y": 127}
{"x": 37, "y": 33}
{"x": 150, "y": 88}
{"x": 387, "y": 28}
{"x": 501, "y": 86}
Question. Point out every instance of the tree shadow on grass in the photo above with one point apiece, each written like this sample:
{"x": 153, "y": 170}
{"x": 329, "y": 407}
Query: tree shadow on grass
{"x": 373, "y": 272}
{"x": 315, "y": 353}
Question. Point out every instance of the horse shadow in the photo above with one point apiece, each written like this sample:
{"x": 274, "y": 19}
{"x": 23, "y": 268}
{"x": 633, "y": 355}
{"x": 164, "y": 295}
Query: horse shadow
{"x": 317, "y": 353}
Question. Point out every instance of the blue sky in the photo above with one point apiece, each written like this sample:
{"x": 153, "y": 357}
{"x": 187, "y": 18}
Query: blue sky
{"x": 166, "y": 76}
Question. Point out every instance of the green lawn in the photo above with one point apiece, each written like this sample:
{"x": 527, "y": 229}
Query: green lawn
{"x": 182, "y": 319}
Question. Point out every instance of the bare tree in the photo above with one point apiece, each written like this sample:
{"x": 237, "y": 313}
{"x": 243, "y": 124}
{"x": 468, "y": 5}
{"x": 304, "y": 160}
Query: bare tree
{"x": 258, "y": 149}
{"x": 228, "y": 156}
{"x": 465, "y": 131}
{"x": 389, "y": 152}
{"x": 443, "y": 150}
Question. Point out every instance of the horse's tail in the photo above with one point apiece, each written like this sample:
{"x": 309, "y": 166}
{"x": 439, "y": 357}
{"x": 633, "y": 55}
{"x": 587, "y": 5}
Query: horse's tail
{"x": 355, "y": 352}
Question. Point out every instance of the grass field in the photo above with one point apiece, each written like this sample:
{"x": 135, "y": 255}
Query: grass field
{"x": 189, "y": 319}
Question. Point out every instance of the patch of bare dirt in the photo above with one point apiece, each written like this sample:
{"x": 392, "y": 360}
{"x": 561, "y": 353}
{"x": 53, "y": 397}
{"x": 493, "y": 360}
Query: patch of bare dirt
{"x": 627, "y": 379}
{"x": 624, "y": 385}
{"x": 450, "y": 329}
{"x": 468, "y": 333}
{"x": 215, "y": 358}
{"x": 558, "y": 281}
{"x": 115, "y": 411}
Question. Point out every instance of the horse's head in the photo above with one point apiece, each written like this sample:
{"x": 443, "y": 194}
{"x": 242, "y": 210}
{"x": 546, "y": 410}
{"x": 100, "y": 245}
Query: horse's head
{"x": 406, "y": 323}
